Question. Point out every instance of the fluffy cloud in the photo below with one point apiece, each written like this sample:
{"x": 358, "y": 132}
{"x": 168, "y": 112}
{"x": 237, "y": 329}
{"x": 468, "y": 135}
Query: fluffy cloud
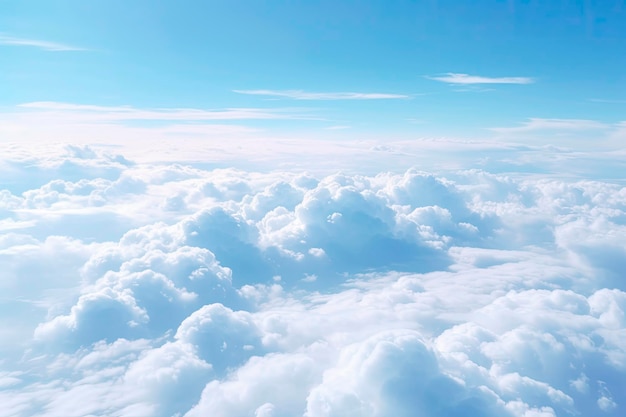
{"x": 394, "y": 374}
{"x": 165, "y": 289}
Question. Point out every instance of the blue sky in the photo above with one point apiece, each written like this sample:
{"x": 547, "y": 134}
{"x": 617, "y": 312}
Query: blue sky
{"x": 548, "y": 60}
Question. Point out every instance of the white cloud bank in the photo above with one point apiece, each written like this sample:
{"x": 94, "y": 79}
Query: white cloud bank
{"x": 135, "y": 289}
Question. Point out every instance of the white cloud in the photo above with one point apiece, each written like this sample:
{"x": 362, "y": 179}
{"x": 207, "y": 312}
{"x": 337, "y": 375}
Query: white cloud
{"x": 337, "y": 127}
{"x": 219, "y": 332}
{"x": 80, "y": 112}
{"x": 537, "y": 124}
{"x": 304, "y": 95}
{"x": 245, "y": 139}
{"x": 610, "y": 101}
{"x": 394, "y": 373}
{"x": 251, "y": 387}
{"x": 465, "y": 79}
{"x": 587, "y": 139}
{"x": 41, "y": 44}
{"x": 606, "y": 404}
{"x": 469, "y": 292}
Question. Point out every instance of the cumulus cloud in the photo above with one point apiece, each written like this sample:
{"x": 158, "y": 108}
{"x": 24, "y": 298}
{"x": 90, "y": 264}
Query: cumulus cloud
{"x": 145, "y": 289}
{"x": 394, "y": 373}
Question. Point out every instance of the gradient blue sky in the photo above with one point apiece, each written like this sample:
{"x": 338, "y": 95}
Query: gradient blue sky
{"x": 533, "y": 59}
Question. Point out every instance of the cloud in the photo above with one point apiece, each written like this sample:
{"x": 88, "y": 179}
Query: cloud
{"x": 609, "y": 101}
{"x": 80, "y": 112}
{"x": 174, "y": 289}
{"x": 245, "y": 139}
{"x": 465, "y": 79}
{"x": 219, "y": 331}
{"x": 251, "y": 389}
{"x": 538, "y": 124}
{"x": 44, "y": 45}
{"x": 303, "y": 95}
{"x": 583, "y": 136}
{"x": 155, "y": 133}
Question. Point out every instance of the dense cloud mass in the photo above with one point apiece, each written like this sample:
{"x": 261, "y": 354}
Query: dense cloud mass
{"x": 135, "y": 289}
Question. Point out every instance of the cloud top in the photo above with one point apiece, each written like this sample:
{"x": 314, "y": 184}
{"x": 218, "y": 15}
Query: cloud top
{"x": 169, "y": 289}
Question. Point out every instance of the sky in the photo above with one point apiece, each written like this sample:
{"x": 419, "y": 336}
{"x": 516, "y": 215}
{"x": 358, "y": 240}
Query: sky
{"x": 406, "y": 70}
{"x": 316, "y": 209}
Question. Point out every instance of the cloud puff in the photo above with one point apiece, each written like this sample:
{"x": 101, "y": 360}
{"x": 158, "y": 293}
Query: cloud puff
{"x": 394, "y": 373}
{"x": 188, "y": 290}
{"x": 142, "y": 287}
{"x": 219, "y": 332}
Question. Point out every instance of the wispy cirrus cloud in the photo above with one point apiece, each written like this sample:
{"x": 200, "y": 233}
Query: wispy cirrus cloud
{"x": 41, "y": 44}
{"x": 582, "y": 134}
{"x": 609, "y": 101}
{"x": 304, "y": 95}
{"x": 457, "y": 78}
{"x": 338, "y": 127}
{"x": 121, "y": 113}
{"x": 536, "y": 124}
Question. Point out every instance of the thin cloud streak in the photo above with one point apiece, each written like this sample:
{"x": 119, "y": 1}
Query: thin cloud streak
{"x": 535, "y": 124}
{"x": 120, "y": 113}
{"x": 45, "y": 45}
{"x": 303, "y": 95}
{"x": 338, "y": 127}
{"x": 609, "y": 101}
{"x": 456, "y": 78}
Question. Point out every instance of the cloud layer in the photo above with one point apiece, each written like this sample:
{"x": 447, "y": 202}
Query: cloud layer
{"x": 135, "y": 289}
